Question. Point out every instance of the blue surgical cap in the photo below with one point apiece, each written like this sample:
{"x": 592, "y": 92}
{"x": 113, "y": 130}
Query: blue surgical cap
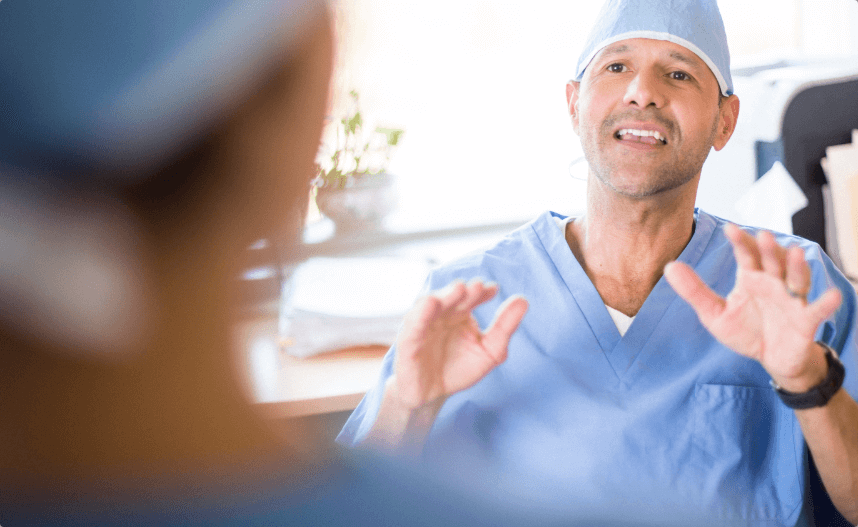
{"x": 116, "y": 85}
{"x": 693, "y": 24}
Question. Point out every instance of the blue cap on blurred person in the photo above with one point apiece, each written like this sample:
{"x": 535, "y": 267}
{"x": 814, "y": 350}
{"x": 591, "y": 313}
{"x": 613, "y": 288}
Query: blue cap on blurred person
{"x": 693, "y": 24}
{"x": 116, "y": 86}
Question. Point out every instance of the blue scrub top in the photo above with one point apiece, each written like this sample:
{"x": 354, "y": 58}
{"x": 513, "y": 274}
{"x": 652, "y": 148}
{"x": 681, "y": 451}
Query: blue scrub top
{"x": 662, "y": 424}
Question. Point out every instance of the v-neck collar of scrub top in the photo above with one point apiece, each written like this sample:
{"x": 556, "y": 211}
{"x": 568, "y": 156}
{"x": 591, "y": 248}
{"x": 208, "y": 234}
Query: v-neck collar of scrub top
{"x": 621, "y": 351}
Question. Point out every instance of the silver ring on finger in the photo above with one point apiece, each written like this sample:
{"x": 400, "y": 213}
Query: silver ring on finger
{"x": 795, "y": 294}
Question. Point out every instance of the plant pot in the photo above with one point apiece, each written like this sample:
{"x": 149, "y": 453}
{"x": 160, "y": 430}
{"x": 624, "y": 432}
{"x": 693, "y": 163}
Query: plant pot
{"x": 362, "y": 205}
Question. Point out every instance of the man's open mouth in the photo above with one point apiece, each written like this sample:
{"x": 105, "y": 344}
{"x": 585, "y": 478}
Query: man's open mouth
{"x": 642, "y": 136}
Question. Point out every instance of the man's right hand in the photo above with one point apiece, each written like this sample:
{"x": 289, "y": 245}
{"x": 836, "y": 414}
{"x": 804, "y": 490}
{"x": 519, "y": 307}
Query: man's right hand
{"x": 440, "y": 350}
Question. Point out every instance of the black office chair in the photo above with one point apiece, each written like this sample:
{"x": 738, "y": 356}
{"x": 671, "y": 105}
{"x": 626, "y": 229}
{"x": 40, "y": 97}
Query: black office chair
{"x": 820, "y": 114}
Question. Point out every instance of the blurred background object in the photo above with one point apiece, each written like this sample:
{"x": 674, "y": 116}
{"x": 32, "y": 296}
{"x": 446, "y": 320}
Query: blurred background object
{"x": 353, "y": 187}
{"x": 99, "y": 101}
{"x": 145, "y": 146}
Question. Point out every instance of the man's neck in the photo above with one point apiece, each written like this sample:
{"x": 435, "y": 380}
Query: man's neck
{"x": 623, "y": 244}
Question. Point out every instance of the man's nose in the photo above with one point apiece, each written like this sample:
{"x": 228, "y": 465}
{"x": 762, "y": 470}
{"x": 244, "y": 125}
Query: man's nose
{"x": 644, "y": 90}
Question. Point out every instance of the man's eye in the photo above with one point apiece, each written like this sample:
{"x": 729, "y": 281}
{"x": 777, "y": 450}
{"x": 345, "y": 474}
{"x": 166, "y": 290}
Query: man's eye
{"x": 679, "y": 76}
{"x": 616, "y": 68}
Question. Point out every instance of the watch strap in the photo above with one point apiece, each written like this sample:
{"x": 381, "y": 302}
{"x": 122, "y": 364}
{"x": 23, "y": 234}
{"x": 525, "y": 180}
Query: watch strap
{"x": 820, "y": 394}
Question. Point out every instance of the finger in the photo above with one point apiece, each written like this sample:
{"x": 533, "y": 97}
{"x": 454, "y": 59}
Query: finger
{"x": 509, "y": 316}
{"x": 451, "y": 295}
{"x": 824, "y": 306}
{"x": 477, "y": 293}
{"x": 772, "y": 255}
{"x": 693, "y": 290}
{"x": 418, "y": 323}
{"x": 744, "y": 248}
{"x": 472, "y": 290}
{"x": 797, "y": 272}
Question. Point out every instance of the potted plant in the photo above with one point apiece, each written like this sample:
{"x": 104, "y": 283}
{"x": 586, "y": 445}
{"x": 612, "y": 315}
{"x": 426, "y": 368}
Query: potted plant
{"x": 353, "y": 187}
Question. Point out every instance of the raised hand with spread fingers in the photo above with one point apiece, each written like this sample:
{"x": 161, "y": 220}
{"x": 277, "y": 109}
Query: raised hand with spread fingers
{"x": 767, "y": 317}
{"x": 441, "y": 350}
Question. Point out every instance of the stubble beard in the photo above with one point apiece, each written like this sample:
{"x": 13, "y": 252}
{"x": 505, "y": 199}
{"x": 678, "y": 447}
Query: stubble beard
{"x": 668, "y": 176}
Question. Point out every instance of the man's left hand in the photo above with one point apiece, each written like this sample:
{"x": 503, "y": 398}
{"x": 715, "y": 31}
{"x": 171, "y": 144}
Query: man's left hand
{"x": 766, "y": 316}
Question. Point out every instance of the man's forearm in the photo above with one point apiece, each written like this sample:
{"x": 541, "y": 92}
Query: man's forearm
{"x": 399, "y": 429}
{"x": 831, "y": 432}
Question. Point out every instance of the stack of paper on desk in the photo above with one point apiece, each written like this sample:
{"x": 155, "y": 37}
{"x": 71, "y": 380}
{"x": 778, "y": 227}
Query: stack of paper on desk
{"x": 841, "y": 168}
{"x": 333, "y": 303}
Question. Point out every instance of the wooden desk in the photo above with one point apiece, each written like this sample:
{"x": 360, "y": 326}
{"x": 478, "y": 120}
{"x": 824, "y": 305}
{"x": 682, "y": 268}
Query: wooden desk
{"x": 284, "y": 386}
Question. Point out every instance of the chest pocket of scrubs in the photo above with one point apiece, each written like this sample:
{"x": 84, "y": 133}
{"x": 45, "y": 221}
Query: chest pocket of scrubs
{"x": 745, "y": 446}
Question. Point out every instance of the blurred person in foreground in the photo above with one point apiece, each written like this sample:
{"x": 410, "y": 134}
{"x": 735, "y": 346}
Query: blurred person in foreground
{"x": 637, "y": 386}
{"x": 143, "y": 146}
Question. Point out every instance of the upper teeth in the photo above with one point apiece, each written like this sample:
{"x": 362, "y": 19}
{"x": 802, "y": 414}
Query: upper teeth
{"x": 642, "y": 133}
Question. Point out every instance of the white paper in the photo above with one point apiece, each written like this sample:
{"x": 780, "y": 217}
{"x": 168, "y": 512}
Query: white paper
{"x": 832, "y": 247}
{"x": 336, "y": 303}
{"x": 358, "y": 287}
{"x": 771, "y": 201}
{"x": 841, "y": 169}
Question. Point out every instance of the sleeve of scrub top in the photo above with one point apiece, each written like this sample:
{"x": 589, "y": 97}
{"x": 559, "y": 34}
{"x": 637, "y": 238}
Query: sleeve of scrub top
{"x": 839, "y": 331}
{"x": 363, "y": 417}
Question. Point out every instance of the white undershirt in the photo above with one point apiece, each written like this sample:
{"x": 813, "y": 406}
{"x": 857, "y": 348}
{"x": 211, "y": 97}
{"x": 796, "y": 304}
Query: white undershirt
{"x": 621, "y": 320}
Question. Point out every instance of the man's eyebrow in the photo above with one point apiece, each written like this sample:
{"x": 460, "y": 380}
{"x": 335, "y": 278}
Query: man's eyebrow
{"x": 685, "y": 59}
{"x": 613, "y": 50}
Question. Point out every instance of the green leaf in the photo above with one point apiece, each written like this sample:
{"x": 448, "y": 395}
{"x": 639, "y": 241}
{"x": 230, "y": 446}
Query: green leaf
{"x": 392, "y": 134}
{"x": 355, "y": 122}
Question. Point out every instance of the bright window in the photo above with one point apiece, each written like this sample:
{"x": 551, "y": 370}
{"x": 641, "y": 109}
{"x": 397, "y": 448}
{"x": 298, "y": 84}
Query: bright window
{"x": 479, "y": 86}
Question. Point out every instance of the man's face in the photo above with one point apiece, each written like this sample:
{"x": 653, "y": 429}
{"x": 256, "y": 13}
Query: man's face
{"x": 647, "y": 114}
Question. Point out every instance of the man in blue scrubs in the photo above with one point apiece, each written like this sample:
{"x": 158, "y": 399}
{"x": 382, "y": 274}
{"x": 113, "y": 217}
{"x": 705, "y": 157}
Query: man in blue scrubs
{"x": 637, "y": 388}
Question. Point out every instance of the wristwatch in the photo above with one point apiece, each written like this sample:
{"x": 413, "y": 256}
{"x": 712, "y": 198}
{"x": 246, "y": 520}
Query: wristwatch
{"x": 820, "y": 394}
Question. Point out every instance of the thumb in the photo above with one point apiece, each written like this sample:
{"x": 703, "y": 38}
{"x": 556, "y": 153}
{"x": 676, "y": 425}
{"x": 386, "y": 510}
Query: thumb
{"x": 693, "y": 290}
{"x": 506, "y": 322}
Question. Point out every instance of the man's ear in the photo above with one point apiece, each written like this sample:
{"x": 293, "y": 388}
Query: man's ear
{"x": 728, "y": 114}
{"x": 572, "y": 90}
